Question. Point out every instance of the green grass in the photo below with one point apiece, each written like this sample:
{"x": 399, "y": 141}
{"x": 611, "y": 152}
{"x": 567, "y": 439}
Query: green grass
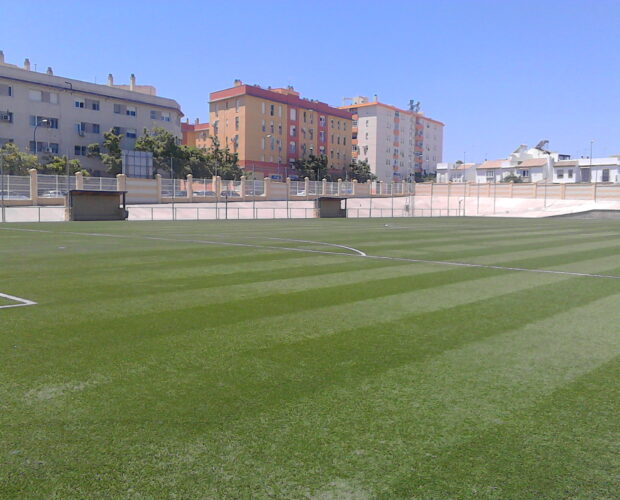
{"x": 157, "y": 366}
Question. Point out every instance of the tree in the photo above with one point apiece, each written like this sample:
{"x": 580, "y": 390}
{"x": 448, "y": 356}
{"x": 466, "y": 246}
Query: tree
{"x": 314, "y": 167}
{"x": 222, "y": 162}
{"x": 112, "y": 156}
{"x": 16, "y": 162}
{"x": 61, "y": 165}
{"x": 512, "y": 178}
{"x": 166, "y": 149}
{"x": 360, "y": 171}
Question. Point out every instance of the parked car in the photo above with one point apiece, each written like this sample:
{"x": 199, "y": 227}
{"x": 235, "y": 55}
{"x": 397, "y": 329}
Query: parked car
{"x": 13, "y": 196}
{"x": 300, "y": 193}
{"x": 230, "y": 194}
{"x": 204, "y": 193}
{"x": 53, "y": 193}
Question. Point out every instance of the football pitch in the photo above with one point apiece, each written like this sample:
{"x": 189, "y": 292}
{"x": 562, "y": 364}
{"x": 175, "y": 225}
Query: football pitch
{"x": 401, "y": 358}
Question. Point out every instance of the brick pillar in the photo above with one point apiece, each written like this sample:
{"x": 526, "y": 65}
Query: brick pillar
{"x": 307, "y": 186}
{"x": 121, "y": 182}
{"x": 34, "y": 186}
{"x": 267, "y": 181}
{"x": 324, "y": 187}
{"x": 562, "y": 191}
{"x": 217, "y": 185}
{"x": 339, "y": 187}
{"x": 288, "y": 188}
{"x": 158, "y": 184}
{"x": 353, "y": 187}
{"x": 79, "y": 180}
{"x": 189, "y": 187}
{"x": 243, "y": 187}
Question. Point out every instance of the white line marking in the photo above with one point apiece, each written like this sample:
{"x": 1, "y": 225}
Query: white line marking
{"x": 326, "y": 252}
{"x": 21, "y": 302}
{"x": 323, "y": 243}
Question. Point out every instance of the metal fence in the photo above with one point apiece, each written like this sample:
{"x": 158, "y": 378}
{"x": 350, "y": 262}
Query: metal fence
{"x": 100, "y": 184}
{"x": 54, "y": 186}
{"x": 15, "y": 187}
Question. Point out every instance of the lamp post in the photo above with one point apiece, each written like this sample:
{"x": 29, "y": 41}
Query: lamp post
{"x": 591, "y": 143}
{"x": 45, "y": 122}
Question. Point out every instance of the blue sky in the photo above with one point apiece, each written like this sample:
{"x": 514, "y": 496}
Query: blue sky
{"x": 497, "y": 73}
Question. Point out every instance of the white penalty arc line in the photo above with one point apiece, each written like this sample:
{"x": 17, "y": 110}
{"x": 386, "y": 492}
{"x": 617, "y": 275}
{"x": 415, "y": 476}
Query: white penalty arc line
{"x": 323, "y": 243}
{"x": 327, "y": 252}
{"x": 21, "y": 302}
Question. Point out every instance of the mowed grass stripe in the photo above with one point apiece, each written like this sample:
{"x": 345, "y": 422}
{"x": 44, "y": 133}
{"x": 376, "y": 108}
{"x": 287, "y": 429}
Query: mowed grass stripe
{"x": 349, "y": 356}
{"x": 203, "y": 339}
{"x": 504, "y": 461}
{"x": 374, "y": 436}
{"x": 417, "y": 410}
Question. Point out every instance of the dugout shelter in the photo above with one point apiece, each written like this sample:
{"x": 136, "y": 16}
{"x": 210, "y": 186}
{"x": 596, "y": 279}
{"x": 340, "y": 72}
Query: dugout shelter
{"x": 90, "y": 205}
{"x": 331, "y": 207}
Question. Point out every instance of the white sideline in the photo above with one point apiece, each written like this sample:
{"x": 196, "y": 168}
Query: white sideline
{"x": 21, "y": 302}
{"x": 327, "y": 252}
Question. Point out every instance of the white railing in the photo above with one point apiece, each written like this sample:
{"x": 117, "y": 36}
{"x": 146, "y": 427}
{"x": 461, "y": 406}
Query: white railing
{"x": 54, "y": 186}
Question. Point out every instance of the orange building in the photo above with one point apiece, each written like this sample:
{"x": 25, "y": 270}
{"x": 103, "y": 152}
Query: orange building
{"x": 195, "y": 134}
{"x": 272, "y": 128}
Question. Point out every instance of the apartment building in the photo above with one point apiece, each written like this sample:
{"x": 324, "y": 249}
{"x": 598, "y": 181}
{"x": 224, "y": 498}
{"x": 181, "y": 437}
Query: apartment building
{"x": 53, "y": 115}
{"x": 196, "y": 134}
{"x": 395, "y": 142}
{"x": 270, "y": 129}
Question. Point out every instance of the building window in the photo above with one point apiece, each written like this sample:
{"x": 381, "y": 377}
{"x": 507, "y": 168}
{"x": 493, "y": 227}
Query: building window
{"x": 322, "y": 135}
{"x": 338, "y": 139}
{"x": 236, "y": 123}
{"x": 344, "y": 141}
{"x": 79, "y": 103}
{"x": 118, "y": 109}
{"x": 293, "y": 131}
{"x": 80, "y": 150}
{"x": 311, "y": 134}
{"x": 344, "y": 125}
{"x": 165, "y": 116}
{"x": 570, "y": 173}
{"x": 6, "y": 90}
{"x": 6, "y": 116}
{"x": 38, "y": 121}
{"x": 292, "y": 147}
{"x": 262, "y": 143}
{"x": 262, "y": 107}
{"x": 331, "y": 154}
{"x": 321, "y": 121}
{"x": 95, "y": 128}
{"x": 272, "y": 109}
{"x": 605, "y": 175}
{"x": 130, "y": 111}
{"x": 280, "y": 111}
{"x": 272, "y": 143}
{"x": 131, "y": 133}
{"x": 560, "y": 173}
{"x": 40, "y": 96}
{"x": 94, "y": 105}
{"x": 293, "y": 114}
{"x": 490, "y": 175}
{"x": 154, "y": 115}
{"x": 263, "y": 127}
{"x": 237, "y": 104}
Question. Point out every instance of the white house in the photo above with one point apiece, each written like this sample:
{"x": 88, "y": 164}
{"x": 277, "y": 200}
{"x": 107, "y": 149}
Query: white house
{"x": 456, "y": 172}
{"x": 566, "y": 171}
{"x": 600, "y": 169}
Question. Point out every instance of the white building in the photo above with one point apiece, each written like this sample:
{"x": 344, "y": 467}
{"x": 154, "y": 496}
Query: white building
{"x": 456, "y": 172}
{"x": 529, "y": 164}
{"x": 55, "y": 115}
{"x": 395, "y": 142}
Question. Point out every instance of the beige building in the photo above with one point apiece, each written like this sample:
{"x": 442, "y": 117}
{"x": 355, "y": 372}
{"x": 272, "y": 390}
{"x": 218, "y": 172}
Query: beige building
{"x": 270, "y": 129}
{"x": 53, "y": 115}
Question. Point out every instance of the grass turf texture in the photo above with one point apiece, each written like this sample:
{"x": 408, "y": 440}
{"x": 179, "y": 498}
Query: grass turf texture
{"x": 158, "y": 368}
